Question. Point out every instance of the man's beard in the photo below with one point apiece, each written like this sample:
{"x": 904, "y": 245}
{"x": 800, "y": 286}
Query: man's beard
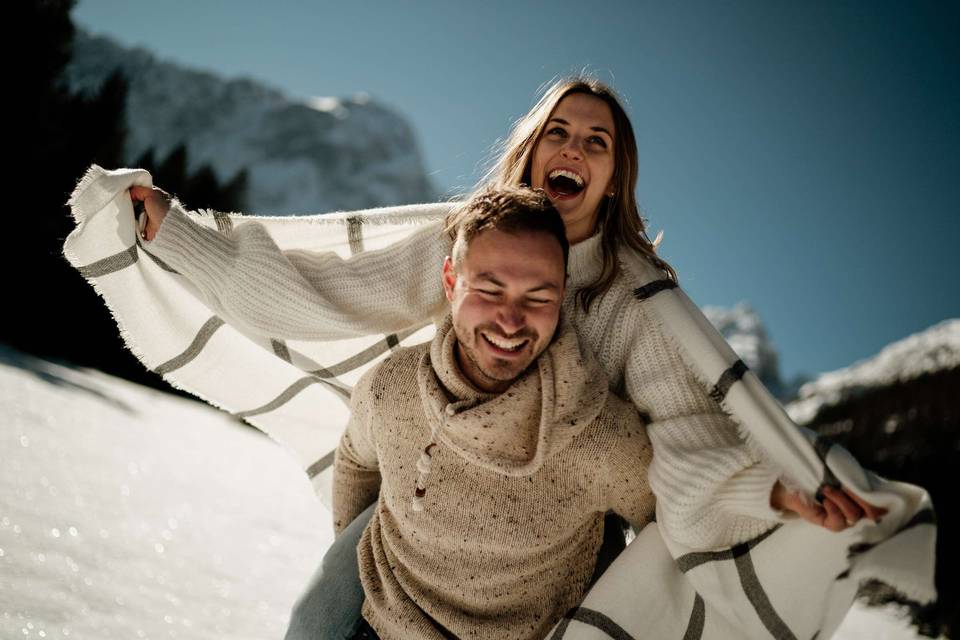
{"x": 504, "y": 370}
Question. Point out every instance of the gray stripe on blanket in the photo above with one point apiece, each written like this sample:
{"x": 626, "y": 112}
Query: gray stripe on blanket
{"x": 727, "y": 378}
{"x": 690, "y": 561}
{"x": 758, "y": 597}
{"x": 196, "y": 346}
{"x": 924, "y": 516}
{"x": 363, "y": 357}
{"x": 698, "y": 618}
{"x": 593, "y": 618}
{"x": 116, "y": 262}
{"x": 289, "y": 393}
{"x": 280, "y": 349}
{"x": 160, "y": 263}
{"x": 355, "y": 235}
{"x": 224, "y": 223}
{"x": 652, "y": 288}
{"x": 317, "y": 467}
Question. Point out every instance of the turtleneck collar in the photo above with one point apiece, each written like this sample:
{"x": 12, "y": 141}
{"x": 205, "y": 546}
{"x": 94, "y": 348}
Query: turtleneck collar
{"x": 585, "y": 261}
{"x": 512, "y": 432}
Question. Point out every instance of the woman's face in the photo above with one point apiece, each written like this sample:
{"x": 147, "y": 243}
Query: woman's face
{"x": 574, "y": 162}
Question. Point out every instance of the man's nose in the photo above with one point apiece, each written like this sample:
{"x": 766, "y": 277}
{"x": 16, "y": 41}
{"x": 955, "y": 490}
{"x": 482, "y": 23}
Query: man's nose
{"x": 511, "y": 318}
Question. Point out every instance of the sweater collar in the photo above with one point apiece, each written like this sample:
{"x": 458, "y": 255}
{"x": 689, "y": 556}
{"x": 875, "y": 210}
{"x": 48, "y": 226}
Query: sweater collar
{"x": 585, "y": 261}
{"x": 550, "y": 403}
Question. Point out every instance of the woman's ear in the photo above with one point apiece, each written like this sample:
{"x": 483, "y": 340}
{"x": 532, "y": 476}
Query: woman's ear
{"x": 448, "y": 277}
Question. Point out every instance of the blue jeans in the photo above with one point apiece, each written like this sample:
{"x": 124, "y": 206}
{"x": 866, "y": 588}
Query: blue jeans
{"x": 330, "y": 608}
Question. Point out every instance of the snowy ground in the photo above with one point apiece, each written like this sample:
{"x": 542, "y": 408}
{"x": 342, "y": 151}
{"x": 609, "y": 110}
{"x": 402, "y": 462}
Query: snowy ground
{"x": 128, "y": 513}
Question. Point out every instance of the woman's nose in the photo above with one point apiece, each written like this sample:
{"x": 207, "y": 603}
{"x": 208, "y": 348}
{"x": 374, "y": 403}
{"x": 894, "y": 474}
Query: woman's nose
{"x": 572, "y": 149}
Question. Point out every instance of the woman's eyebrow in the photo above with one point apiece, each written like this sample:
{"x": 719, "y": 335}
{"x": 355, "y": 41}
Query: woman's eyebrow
{"x": 593, "y": 128}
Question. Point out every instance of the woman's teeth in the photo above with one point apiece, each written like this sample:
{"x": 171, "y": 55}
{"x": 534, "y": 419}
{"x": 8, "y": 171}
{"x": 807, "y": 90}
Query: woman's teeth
{"x": 565, "y": 182}
{"x": 504, "y": 343}
{"x": 556, "y": 173}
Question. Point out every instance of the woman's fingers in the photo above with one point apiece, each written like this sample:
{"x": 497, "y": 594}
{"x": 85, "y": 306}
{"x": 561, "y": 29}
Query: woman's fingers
{"x": 871, "y": 511}
{"x": 850, "y": 510}
{"x": 835, "y": 520}
{"x": 156, "y": 203}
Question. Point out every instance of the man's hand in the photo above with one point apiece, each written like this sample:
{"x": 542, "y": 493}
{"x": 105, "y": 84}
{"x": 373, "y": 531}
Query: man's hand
{"x": 841, "y": 508}
{"x": 156, "y": 203}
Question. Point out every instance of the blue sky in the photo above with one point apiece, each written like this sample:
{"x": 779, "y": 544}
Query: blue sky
{"x": 801, "y": 156}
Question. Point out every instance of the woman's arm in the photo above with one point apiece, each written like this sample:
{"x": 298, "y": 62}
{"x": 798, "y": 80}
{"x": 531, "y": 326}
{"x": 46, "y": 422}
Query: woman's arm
{"x": 302, "y": 295}
{"x": 712, "y": 490}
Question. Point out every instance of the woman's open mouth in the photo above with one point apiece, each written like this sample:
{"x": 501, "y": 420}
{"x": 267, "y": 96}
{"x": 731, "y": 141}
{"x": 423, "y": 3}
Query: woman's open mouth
{"x": 564, "y": 183}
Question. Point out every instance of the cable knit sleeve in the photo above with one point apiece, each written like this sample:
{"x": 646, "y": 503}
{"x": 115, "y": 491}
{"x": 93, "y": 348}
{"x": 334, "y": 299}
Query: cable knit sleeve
{"x": 303, "y": 295}
{"x": 356, "y": 470}
{"x": 712, "y": 490}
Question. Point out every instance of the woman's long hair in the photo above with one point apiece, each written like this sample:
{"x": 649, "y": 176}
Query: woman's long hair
{"x": 619, "y": 216}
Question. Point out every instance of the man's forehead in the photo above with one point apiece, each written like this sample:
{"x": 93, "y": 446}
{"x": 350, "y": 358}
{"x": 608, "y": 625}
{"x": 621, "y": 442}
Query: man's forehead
{"x": 496, "y": 255}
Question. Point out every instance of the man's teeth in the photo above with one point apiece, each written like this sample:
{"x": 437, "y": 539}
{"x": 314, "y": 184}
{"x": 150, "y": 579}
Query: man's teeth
{"x": 503, "y": 343}
{"x": 566, "y": 174}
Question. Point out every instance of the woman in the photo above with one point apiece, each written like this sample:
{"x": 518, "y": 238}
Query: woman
{"x": 577, "y": 144}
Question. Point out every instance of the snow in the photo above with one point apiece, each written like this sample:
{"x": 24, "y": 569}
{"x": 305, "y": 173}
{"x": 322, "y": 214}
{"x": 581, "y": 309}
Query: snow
{"x": 131, "y": 513}
{"x": 935, "y": 349}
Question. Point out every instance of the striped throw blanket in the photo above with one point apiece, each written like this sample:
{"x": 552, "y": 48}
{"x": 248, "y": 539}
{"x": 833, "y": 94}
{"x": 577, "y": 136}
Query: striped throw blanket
{"x": 794, "y": 581}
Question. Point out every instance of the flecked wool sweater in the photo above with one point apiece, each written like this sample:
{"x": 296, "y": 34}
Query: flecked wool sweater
{"x": 712, "y": 489}
{"x": 491, "y": 506}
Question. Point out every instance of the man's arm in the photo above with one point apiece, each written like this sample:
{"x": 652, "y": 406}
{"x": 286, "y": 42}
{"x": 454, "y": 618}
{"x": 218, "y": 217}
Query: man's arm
{"x": 304, "y": 295}
{"x": 627, "y": 486}
{"x": 356, "y": 470}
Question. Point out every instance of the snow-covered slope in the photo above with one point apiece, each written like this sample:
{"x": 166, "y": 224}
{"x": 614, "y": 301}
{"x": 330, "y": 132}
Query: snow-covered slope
{"x": 307, "y": 155}
{"x": 936, "y": 349}
{"x": 129, "y": 513}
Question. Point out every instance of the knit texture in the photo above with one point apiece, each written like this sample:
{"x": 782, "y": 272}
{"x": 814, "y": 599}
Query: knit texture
{"x": 515, "y": 487}
{"x": 719, "y": 494}
{"x": 794, "y": 580}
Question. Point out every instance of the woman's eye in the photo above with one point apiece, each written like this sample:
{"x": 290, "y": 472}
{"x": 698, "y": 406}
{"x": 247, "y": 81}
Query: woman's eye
{"x": 556, "y": 131}
{"x": 598, "y": 140}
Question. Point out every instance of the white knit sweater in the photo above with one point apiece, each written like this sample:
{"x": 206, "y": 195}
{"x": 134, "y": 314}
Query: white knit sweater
{"x": 717, "y": 488}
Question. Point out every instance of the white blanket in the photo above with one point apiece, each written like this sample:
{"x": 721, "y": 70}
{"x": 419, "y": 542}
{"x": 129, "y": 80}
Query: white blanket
{"x": 796, "y": 581}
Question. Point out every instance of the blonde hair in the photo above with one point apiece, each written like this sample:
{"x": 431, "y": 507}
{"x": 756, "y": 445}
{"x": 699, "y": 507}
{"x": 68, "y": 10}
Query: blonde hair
{"x": 619, "y": 216}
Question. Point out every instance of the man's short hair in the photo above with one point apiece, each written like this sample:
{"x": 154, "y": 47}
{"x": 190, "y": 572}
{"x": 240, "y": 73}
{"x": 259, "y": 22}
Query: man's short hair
{"x": 508, "y": 209}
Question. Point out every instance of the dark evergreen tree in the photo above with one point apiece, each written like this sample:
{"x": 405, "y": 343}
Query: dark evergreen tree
{"x": 51, "y": 310}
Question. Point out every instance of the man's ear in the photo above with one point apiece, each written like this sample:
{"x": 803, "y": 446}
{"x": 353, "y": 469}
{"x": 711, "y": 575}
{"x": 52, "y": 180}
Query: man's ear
{"x": 448, "y": 277}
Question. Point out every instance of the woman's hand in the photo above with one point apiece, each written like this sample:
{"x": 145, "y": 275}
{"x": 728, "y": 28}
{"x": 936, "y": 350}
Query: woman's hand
{"x": 156, "y": 203}
{"x": 841, "y": 508}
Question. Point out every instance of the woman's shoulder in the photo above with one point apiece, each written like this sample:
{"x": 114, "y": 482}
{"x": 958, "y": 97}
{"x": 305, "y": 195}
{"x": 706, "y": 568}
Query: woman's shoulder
{"x": 636, "y": 268}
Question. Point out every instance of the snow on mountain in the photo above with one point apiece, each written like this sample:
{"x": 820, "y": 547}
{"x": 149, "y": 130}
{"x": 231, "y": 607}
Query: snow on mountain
{"x": 936, "y": 349}
{"x": 304, "y": 156}
{"x": 747, "y": 335}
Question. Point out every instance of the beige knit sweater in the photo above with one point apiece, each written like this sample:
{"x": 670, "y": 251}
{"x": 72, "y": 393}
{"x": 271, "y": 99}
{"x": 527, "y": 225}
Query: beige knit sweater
{"x": 514, "y": 489}
{"x": 711, "y": 490}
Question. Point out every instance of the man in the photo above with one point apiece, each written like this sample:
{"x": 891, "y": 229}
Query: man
{"x": 496, "y": 448}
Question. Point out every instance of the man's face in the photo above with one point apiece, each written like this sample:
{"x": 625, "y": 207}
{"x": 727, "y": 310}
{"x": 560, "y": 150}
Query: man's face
{"x": 505, "y": 297}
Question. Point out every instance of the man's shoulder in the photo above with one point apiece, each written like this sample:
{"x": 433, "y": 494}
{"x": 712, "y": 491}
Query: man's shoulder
{"x": 621, "y": 419}
{"x": 397, "y": 369}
